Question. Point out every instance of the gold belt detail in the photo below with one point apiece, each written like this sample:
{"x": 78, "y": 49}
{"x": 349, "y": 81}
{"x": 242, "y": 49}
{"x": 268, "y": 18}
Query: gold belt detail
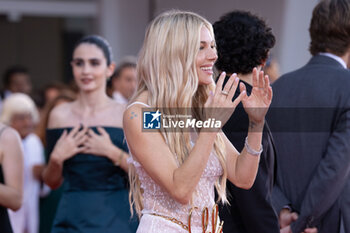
{"x": 205, "y": 220}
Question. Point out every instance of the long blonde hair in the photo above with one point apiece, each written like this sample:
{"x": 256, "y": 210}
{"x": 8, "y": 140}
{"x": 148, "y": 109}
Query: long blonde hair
{"x": 167, "y": 71}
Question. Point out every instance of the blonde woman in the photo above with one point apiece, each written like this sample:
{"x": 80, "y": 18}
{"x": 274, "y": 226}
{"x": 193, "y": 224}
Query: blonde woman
{"x": 174, "y": 172}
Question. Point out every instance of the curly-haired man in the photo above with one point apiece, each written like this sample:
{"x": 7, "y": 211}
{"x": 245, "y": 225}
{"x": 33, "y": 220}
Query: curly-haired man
{"x": 243, "y": 42}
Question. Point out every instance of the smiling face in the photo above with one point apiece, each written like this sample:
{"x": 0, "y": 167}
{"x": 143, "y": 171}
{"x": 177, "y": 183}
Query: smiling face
{"x": 206, "y": 57}
{"x": 90, "y": 68}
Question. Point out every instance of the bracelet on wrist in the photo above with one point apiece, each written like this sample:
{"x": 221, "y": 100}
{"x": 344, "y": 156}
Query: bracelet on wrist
{"x": 251, "y": 150}
{"x": 120, "y": 158}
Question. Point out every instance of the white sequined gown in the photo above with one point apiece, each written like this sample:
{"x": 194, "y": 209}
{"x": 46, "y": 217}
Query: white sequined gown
{"x": 158, "y": 201}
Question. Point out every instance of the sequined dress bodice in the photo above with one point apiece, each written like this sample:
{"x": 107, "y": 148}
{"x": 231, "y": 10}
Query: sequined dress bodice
{"x": 158, "y": 201}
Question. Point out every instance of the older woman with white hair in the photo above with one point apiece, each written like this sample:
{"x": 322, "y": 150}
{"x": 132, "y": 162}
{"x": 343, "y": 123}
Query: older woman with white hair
{"x": 19, "y": 112}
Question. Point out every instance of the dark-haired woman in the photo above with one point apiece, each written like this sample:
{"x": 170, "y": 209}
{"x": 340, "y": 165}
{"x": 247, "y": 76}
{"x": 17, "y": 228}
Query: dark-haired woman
{"x": 88, "y": 154}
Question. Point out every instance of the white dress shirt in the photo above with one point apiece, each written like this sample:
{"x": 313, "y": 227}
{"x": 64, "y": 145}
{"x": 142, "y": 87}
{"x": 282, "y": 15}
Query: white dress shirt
{"x": 335, "y": 57}
{"x": 117, "y": 96}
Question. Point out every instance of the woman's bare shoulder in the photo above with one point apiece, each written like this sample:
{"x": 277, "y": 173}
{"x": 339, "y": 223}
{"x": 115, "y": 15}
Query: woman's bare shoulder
{"x": 134, "y": 109}
{"x": 59, "y": 115}
{"x": 9, "y": 135}
{"x": 132, "y": 115}
{"x": 9, "y": 140}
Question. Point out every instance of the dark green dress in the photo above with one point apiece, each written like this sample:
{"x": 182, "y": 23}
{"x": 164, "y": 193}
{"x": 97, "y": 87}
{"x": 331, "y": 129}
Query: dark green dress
{"x": 48, "y": 208}
{"x": 95, "y": 194}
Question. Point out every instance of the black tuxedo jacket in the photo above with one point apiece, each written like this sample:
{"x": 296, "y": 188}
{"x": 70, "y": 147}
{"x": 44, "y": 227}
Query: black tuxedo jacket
{"x": 251, "y": 210}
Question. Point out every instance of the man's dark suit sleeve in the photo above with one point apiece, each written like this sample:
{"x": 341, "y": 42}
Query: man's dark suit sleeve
{"x": 279, "y": 200}
{"x": 329, "y": 178}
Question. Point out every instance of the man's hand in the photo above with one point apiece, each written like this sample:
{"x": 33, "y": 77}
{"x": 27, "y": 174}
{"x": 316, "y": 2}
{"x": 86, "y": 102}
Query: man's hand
{"x": 286, "y": 230}
{"x": 286, "y": 217}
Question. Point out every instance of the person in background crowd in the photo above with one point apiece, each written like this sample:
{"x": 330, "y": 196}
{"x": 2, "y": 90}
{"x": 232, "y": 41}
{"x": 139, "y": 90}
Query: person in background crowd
{"x": 16, "y": 79}
{"x": 19, "y": 112}
{"x": 124, "y": 80}
{"x": 51, "y": 91}
{"x": 310, "y": 121}
{"x": 272, "y": 69}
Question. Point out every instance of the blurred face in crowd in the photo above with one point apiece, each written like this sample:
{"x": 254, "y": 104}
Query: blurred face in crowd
{"x": 90, "y": 68}
{"x": 206, "y": 57}
{"x": 126, "y": 82}
{"x": 51, "y": 94}
{"x": 20, "y": 82}
{"x": 272, "y": 71}
{"x": 23, "y": 123}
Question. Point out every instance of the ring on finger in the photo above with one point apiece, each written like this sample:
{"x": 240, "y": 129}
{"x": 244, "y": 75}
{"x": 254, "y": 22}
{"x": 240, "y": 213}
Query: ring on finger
{"x": 224, "y": 92}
